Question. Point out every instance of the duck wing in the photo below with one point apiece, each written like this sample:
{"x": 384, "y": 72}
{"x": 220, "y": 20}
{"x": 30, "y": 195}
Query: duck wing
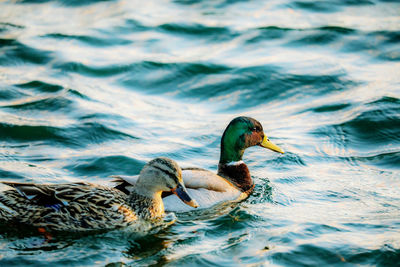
{"x": 53, "y": 196}
{"x": 207, "y": 188}
{"x": 124, "y": 183}
{"x": 196, "y": 178}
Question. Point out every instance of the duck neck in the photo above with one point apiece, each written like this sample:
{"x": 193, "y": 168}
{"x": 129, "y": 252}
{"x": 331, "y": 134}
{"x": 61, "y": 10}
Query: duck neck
{"x": 147, "y": 206}
{"x": 230, "y": 149}
{"x": 231, "y": 166}
{"x": 229, "y": 154}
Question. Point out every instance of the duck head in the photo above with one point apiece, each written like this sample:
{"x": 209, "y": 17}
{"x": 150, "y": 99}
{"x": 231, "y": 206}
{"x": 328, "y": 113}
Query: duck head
{"x": 163, "y": 175}
{"x": 241, "y": 133}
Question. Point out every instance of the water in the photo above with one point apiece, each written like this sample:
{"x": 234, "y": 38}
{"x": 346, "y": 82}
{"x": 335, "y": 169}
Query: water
{"x": 95, "y": 88}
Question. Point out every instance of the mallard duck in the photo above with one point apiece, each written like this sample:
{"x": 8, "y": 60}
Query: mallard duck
{"x": 86, "y": 206}
{"x": 232, "y": 182}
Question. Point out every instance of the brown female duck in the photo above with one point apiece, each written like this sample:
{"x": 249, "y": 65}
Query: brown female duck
{"x": 85, "y": 206}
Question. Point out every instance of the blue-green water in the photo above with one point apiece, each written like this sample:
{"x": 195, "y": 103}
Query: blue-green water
{"x": 89, "y": 89}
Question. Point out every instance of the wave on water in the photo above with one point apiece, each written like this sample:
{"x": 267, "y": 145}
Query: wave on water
{"x": 91, "y": 89}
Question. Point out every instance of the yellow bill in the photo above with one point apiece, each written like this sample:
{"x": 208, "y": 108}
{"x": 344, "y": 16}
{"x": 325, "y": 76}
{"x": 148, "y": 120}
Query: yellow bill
{"x": 268, "y": 144}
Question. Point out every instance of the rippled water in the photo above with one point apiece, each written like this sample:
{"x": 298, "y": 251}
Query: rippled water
{"x": 89, "y": 89}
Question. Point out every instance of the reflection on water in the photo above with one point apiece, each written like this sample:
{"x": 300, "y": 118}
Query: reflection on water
{"x": 91, "y": 89}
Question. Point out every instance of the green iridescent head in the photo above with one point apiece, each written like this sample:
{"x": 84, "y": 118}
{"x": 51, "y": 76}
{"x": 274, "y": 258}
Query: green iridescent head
{"x": 241, "y": 133}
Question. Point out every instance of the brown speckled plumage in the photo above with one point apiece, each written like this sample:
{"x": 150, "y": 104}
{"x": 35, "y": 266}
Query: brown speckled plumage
{"x": 85, "y": 206}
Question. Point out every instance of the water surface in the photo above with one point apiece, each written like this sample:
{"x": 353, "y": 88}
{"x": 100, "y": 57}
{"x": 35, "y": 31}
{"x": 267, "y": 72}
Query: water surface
{"x": 89, "y": 89}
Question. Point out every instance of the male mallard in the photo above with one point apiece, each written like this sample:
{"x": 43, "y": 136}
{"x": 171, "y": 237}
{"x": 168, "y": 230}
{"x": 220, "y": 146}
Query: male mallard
{"x": 85, "y": 206}
{"x": 232, "y": 182}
